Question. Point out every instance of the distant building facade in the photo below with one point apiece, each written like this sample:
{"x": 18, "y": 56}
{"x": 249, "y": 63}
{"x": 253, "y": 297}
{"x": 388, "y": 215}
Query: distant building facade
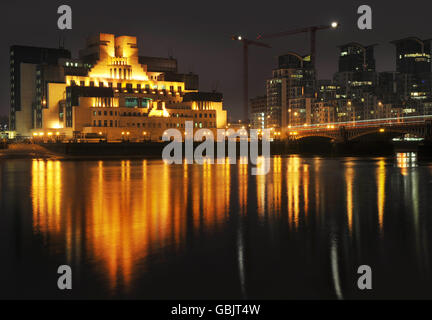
{"x": 357, "y": 91}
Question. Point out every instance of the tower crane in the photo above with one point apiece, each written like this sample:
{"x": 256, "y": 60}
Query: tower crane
{"x": 246, "y": 44}
{"x": 311, "y": 30}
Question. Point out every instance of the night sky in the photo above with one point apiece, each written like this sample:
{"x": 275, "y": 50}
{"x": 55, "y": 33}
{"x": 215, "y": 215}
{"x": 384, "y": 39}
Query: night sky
{"x": 197, "y": 33}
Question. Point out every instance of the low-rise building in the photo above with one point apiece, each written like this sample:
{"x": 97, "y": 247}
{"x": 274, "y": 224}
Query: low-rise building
{"x": 110, "y": 93}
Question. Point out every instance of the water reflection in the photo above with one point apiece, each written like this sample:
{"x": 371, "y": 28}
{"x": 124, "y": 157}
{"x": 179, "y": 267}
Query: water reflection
{"x": 126, "y": 211}
{"x": 46, "y": 194}
{"x": 411, "y": 183}
{"x": 381, "y": 182}
{"x": 126, "y": 219}
{"x": 406, "y": 160}
{"x": 349, "y": 179}
{"x": 293, "y": 189}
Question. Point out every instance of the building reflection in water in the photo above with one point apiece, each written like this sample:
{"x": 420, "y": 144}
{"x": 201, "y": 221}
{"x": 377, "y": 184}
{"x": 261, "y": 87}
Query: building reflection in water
{"x": 406, "y": 160}
{"x": 243, "y": 174}
{"x": 381, "y": 181}
{"x": 289, "y": 180}
{"x": 349, "y": 182}
{"x": 117, "y": 216}
{"x": 46, "y": 195}
{"x": 293, "y": 189}
{"x": 261, "y": 184}
{"x": 317, "y": 184}
{"x": 125, "y": 211}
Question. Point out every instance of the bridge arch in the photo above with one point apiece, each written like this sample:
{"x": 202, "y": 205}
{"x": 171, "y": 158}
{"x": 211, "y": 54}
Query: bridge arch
{"x": 397, "y": 131}
{"x": 316, "y": 135}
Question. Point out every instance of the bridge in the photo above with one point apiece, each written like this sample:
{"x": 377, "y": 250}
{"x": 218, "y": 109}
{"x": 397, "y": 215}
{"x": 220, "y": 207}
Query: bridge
{"x": 416, "y": 126}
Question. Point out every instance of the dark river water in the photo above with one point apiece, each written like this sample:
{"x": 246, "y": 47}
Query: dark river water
{"x": 145, "y": 229}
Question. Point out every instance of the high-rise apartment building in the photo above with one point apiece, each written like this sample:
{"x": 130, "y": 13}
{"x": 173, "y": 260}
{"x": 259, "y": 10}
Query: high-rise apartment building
{"x": 413, "y": 61}
{"x": 356, "y": 73}
{"x": 29, "y": 70}
{"x": 289, "y": 92}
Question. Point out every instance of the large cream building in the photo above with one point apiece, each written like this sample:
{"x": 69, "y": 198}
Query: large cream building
{"x": 109, "y": 92}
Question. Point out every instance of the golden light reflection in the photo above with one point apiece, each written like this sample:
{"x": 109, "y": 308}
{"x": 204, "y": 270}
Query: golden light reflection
{"x": 243, "y": 174}
{"x": 207, "y": 194}
{"x": 305, "y": 183}
{"x": 349, "y": 179}
{"x": 261, "y": 194}
{"x": 124, "y": 211}
{"x": 381, "y": 176}
{"x": 46, "y": 195}
{"x": 317, "y": 196}
{"x": 275, "y": 188}
{"x": 293, "y": 192}
{"x": 406, "y": 160}
{"x": 223, "y": 182}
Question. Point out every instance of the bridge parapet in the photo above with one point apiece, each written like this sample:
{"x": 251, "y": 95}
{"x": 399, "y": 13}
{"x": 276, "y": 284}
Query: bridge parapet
{"x": 419, "y": 126}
